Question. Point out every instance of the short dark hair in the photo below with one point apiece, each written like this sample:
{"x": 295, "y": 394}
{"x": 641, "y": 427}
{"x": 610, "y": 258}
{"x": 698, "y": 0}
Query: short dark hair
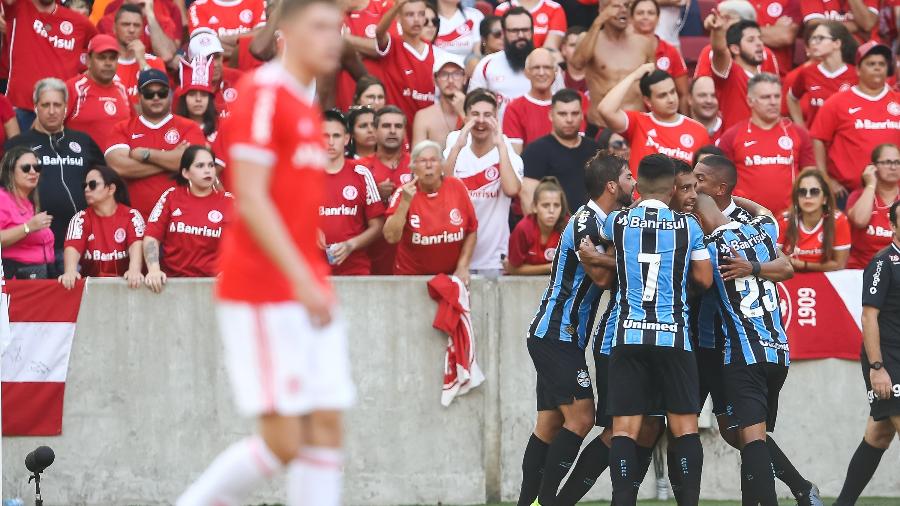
{"x": 109, "y": 177}
{"x": 735, "y": 32}
{"x": 635, "y": 2}
{"x": 187, "y": 159}
{"x": 516, "y": 11}
{"x": 337, "y": 117}
{"x": 724, "y": 168}
{"x": 895, "y": 208}
{"x": 479, "y": 95}
{"x": 574, "y": 30}
{"x": 682, "y": 167}
{"x": 287, "y": 8}
{"x": 709, "y": 149}
{"x": 655, "y": 172}
{"x": 603, "y": 168}
{"x": 566, "y": 96}
{"x": 388, "y": 109}
{"x": 648, "y": 80}
{"x": 128, "y": 9}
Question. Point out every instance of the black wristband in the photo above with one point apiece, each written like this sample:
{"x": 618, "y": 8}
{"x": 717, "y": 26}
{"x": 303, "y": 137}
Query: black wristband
{"x": 755, "y": 268}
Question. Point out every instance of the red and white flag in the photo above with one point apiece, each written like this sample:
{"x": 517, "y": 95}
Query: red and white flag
{"x": 42, "y": 316}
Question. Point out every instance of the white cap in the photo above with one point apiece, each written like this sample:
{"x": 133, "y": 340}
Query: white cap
{"x": 447, "y": 58}
{"x": 204, "y": 42}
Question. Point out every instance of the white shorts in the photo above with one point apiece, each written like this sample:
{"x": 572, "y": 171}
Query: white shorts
{"x": 280, "y": 363}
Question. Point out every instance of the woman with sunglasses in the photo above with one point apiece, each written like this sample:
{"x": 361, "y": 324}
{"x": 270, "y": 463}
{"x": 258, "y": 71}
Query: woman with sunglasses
{"x": 361, "y": 125}
{"x": 369, "y": 92}
{"x": 432, "y": 24}
{"x": 868, "y": 206}
{"x": 457, "y": 26}
{"x": 106, "y": 239}
{"x": 184, "y": 230}
{"x": 26, "y": 240}
{"x": 814, "y": 233}
{"x": 491, "y": 31}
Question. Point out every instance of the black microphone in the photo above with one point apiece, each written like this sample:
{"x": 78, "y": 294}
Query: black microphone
{"x": 39, "y": 459}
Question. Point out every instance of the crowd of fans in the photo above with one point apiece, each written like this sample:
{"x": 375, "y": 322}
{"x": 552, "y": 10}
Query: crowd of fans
{"x": 456, "y": 131}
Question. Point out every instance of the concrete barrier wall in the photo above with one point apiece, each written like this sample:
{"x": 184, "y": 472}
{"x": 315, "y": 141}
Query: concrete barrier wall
{"x": 148, "y": 404}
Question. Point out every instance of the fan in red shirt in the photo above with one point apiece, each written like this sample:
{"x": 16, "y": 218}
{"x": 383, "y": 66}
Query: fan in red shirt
{"x": 767, "y": 149}
{"x": 194, "y": 98}
{"x": 550, "y": 22}
{"x": 286, "y": 349}
{"x": 97, "y": 100}
{"x": 43, "y": 39}
{"x": 160, "y": 34}
{"x": 161, "y": 8}
{"x": 184, "y": 230}
{"x": 853, "y": 122}
{"x": 351, "y": 213}
{"x": 360, "y": 24}
{"x": 825, "y": 76}
{"x": 644, "y": 19}
{"x": 662, "y": 130}
{"x": 813, "y": 233}
{"x": 533, "y": 243}
{"x": 228, "y": 18}
{"x": 133, "y": 58}
{"x": 407, "y": 62}
{"x": 868, "y": 206}
{"x": 432, "y": 219}
{"x": 704, "y": 106}
{"x": 147, "y": 148}
{"x": 731, "y": 14}
{"x": 9, "y": 127}
{"x": 860, "y": 22}
{"x": 205, "y": 44}
{"x": 737, "y": 54}
{"x": 104, "y": 240}
{"x": 779, "y": 22}
{"x": 527, "y": 118}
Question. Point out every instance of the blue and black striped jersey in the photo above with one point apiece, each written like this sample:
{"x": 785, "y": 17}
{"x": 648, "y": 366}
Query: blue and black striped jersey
{"x": 654, "y": 248}
{"x": 569, "y": 304}
{"x": 751, "y": 314}
{"x": 606, "y": 330}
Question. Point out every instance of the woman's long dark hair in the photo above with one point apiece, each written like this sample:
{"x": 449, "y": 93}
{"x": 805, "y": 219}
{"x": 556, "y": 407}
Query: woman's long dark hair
{"x": 187, "y": 159}
{"x": 352, "y": 118}
{"x": 109, "y": 177}
{"x": 210, "y": 115}
{"x": 792, "y": 233}
{"x": 363, "y": 84}
{"x": 8, "y": 180}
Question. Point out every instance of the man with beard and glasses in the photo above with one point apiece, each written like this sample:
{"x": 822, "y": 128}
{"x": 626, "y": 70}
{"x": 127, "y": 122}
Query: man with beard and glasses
{"x": 610, "y": 34}
{"x": 737, "y": 56}
{"x": 436, "y": 121}
{"x": 503, "y": 72}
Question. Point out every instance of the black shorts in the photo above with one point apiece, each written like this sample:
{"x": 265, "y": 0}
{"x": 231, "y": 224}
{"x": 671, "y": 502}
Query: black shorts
{"x": 752, "y": 392}
{"x": 709, "y": 370}
{"x": 883, "y": 409}
{"x": 646, "y": 379}
{"x": 562, "y": 373}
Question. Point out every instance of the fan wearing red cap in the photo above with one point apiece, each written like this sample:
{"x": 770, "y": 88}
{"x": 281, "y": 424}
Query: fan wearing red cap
{"x": 853, "y": 122}
{"x": 194, "y": 98}
{"x": 206, "y": 44}
{"x": 97, "y": 100}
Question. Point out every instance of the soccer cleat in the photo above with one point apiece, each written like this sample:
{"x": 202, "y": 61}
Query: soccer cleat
{"x": 810, "y": 498}
{"x": 535, "y": 503}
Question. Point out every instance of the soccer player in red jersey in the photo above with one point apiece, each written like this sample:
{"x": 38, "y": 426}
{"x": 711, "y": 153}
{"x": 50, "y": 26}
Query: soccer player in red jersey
{"x": 184, "y": 231}
{"x": 431, "y": 219}
{"x": 351, "y": 213}
{"x": 704, "y": 106}
{"x": 867, "y": 207}
{"x": 733, "y": 11}
{"x": 645, "y": 18}
{"x": 97, "y": 100}
{"x": 779, "y": 23}
{"x": 105, "y": 239}
{"x": 533, "y": 243}
{"x": 43, "y": 39}
{"x": 286, "y": 350}
{"x": 767, "y": 149}
{"x": 737, "y": 55}
{"x": 159, "y": 33}
{"x": 550, "y": 22}
{"x": 826, "y": 76}
{"x": 147, "y": 148}
{"x": 663, "y": 129}
{"x": 228, "y": 18}
{"x": 853, "y": 122}
{"x": 133, "y": 58}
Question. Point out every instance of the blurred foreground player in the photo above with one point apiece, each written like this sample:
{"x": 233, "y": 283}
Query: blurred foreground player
{"x": 285, "y": 347}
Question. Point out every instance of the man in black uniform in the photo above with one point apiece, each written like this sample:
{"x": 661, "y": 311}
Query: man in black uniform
{"x": 880, "y": 360}
{"x": 65, "y": 156}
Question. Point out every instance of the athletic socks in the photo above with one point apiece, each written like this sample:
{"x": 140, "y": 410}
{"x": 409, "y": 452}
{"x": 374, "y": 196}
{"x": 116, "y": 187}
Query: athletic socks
{"x": 785, "y": 470}
{"x": 314, "y": 477}
{"x": 532, "y": 470}
{"x": 590, "y": 465}
{"x": 623, "y": 470}
{"x": 561, "y": 456}
{"x": 862, "y": 466}
{"x": 674, "y": 469}
{"x": 645, "y": 458}
{"x": 689, "y": 459}
{"x": 233, "y": 474}
{"x": 756, "y": 467}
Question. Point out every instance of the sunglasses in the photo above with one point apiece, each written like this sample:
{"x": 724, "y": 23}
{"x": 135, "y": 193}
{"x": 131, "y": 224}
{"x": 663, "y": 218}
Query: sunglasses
{"x": 28, "y": 167}
{"x": 809, "y": 192}
{"x": 496, "y": 34}
{"x": 150, "y": 95}
{"x": 618, "y": 145}
{"x": 90, "y": 185}
{"x": 431, "y": 21}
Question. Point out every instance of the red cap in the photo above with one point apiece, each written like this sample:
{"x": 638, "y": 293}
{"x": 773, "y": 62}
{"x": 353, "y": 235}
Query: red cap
{"x": 195, "y": 75}
{"x": 873, "y": 47}
{"x": 103, "y": 42}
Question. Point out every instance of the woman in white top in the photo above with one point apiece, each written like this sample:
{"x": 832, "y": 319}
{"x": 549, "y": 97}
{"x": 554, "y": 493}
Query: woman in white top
{"x": 459, "y": 27}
